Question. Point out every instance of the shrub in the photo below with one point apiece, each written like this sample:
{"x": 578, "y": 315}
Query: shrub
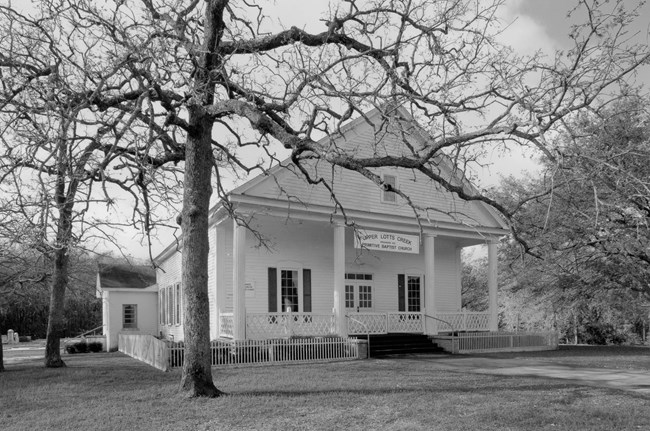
{"x": 71, "y": 348}
{"x": 95, "y": 346}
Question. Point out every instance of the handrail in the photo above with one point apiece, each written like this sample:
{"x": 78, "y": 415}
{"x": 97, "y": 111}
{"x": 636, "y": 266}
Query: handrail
{"x": 92, "y": 330}
{"x": 441, "y": 320}
{"x": 80, "y": 336}
{"x": 453, "y": 331}
{"x": 367, "y": 330}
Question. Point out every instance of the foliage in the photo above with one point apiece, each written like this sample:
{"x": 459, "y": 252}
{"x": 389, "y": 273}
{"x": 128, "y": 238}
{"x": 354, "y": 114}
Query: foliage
{"x": 592, "y": 228}
{"x": 83, "y": 347}
{"x": 591, "y": 273}
{"x": 474, "y": 289}
{"x": 24, "y": 303}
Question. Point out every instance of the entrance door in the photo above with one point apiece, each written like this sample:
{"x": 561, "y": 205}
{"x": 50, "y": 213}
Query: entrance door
{"x": 413, "y": 286}
{"x": 358, "y": 292}
{"x": 409, "y": 293}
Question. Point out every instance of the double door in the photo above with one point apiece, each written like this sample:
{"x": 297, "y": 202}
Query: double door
{"x": 358, "y": 292}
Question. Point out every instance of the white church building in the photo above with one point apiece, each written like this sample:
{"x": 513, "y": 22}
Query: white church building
{"x": 378, "y": 268}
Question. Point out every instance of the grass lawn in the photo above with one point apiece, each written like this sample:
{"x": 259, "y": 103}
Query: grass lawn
{"x": 615, "y": 357}
{"x": 113, "y": 392}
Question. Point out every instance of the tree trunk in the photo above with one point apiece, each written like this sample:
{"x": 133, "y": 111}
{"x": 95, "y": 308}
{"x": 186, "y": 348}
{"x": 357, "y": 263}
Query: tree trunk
{"x": 197, "y": 368}
{"x": 56, "y": 317}
{"x": 2, "y": 360}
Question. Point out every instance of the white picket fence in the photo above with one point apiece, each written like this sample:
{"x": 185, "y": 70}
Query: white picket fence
{"x": 145, "y": 348}
{"x": 276, "y": 351}
{"x": 486, "y": 342}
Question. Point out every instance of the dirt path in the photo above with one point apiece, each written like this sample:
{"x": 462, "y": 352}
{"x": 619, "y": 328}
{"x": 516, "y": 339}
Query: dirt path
{"x": 625, "y": 379}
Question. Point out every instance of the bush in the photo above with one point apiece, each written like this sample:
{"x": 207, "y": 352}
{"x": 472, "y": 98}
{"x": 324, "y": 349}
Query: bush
{"x": 602, "y": 334}
{"x": 95, "y": 346}
{"x": 82, "y": 347}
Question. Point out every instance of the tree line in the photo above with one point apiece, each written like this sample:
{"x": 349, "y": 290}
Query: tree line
{"x": 587, "y": 270}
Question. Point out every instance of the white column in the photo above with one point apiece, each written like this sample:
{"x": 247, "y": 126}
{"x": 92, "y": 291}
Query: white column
{"x": 431, "y": 327}
{"x": 238, "y": 280}
{"x": 339, "y": 280}
{"x": 492, "y": 287}
{"x": 221, "y": 276}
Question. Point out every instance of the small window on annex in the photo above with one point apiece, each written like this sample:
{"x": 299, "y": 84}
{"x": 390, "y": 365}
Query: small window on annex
{"x": 389, "y": 196}
{"x": 130, "y": 316}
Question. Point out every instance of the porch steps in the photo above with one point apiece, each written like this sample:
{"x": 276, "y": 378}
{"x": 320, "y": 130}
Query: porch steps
{"x": 400, "y": 344}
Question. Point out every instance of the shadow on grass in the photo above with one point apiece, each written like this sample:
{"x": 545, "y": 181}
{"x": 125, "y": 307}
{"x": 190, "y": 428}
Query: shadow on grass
{"x": 412, "y": 390}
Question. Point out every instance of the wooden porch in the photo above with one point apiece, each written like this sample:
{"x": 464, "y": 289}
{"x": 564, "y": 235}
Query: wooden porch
{"x": 261, "y": 326}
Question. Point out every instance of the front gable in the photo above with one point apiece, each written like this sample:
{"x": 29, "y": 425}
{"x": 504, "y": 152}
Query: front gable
{"x": 364, "y": 137}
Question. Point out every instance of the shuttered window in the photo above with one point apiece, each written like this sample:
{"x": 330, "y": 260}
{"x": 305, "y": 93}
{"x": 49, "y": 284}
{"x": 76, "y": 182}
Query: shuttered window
{"x": 163, "y": 306}
{"x": 130, "y": 316}
{"x": 178, "y": 303}
{"x": 287, "y": 289}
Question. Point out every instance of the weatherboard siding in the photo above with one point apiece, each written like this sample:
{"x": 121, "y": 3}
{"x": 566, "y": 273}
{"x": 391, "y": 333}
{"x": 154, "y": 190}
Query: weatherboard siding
{"x": 168, "y": 275}
{"x": 309, "y": 245}
{"x": 357, "y": 192}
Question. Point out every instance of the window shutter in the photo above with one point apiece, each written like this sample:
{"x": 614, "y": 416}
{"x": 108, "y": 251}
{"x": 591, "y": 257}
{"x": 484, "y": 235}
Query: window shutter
{"x": 306, "y": 290}
{"x": 273, "y": 290}
{"x": 401, "y": 296}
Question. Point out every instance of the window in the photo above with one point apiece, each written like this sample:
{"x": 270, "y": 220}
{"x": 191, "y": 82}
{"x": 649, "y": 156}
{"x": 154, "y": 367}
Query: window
{"x": 389, "y": 196}
{"x": 170, "y": 306}
{"x": 289, "y": 290}
{"x": 129, "y": 316}
{"x": 365, "y": 296}
{"x": 162, "y": 306}
{"x": 355, "y": 276}
{"x": 349, "y": 296}
{"x": 178, "y": 304}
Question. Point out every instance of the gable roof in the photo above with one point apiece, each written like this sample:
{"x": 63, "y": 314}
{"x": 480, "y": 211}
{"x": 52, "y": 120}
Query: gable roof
{"x": 367, "y": 136}
{"x": 125, "y": 276}
{"x": 263, "y": 188}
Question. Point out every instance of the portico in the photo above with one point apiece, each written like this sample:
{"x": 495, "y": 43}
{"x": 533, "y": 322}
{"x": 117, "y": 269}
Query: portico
{"x": 361, "y": 287}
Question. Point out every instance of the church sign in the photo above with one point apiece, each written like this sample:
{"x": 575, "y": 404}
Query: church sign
{"x": 387, "y": 241}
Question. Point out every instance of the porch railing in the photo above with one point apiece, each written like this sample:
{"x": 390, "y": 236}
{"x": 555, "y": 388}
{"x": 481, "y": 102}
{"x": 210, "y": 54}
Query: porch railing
{"x": 261, "y": 326}
{"x": 465, "y": 320}
{"x": 226, "y": 325}
{"x": 382, "y": 323}
{"x": 367, "y": 323}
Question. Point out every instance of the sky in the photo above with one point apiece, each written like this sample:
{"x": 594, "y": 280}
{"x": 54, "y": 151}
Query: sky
{"x": 532, "y": 25}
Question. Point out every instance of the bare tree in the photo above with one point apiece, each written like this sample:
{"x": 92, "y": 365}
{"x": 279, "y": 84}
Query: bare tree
{"x": 56, "y": 146}
{"x": 216, "y": 76}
